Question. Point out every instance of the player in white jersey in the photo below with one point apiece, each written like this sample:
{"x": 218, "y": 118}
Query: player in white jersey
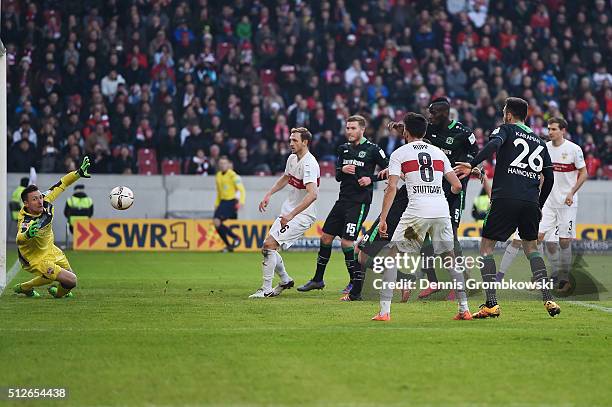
{"x": 298, "y": 212}
{"x": 561, "y": 207}
{"x": 423, "y": 166}
{"x": 558, "y": 225}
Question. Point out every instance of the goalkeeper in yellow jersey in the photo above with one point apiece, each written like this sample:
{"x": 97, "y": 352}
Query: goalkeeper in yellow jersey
{"x": 35, "y": 242}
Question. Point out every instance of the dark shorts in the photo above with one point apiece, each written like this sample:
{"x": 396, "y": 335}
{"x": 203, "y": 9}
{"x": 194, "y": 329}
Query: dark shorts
{"x": 372, "y": 243}
{"x": 506, "y": 215}
{"x": 345, "y": 219}
{"x": 456, "y": 202}
{"x": 226, "y": 210}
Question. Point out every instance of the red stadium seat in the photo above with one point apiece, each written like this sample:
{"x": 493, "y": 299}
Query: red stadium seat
{"x": 371, "y": 75}
{"x": 408, "y": 65}
{"x": 370, "y": 64}
{"x": 328, "y": 168}
{"x": 222, "y": 50}
{"x": 171, "y": 167}
{"x": 146, "y": 154}
{"x": 147, "y": 167}
{"x": 267, "y": 77}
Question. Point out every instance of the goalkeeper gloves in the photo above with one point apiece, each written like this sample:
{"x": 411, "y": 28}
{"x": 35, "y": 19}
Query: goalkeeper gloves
{"x": 84, "y": 168}
{"x": 32, "y": 229}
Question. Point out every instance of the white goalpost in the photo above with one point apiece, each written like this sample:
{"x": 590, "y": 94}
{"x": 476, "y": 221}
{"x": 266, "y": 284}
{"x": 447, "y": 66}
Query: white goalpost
{"x": 3, "y": 173}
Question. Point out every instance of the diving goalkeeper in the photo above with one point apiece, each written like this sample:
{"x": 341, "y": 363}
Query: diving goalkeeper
{"x": 35, "y": 242}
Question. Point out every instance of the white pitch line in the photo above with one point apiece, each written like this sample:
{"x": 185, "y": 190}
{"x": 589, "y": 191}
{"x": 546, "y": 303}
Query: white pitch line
{"x": 11, "y": 274}
{"x": 589, "y": 305}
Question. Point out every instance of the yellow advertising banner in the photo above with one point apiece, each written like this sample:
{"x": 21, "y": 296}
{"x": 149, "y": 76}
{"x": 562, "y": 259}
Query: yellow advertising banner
{"x": 584, "y": 231}
{"x": 200, "y": 235}
{"x": 176, "y": 234}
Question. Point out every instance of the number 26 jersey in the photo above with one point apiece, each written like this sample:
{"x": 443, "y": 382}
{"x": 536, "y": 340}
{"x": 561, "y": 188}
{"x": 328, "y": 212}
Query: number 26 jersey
{"x": 423, "y": 166}
{"x": 520, "y": 161}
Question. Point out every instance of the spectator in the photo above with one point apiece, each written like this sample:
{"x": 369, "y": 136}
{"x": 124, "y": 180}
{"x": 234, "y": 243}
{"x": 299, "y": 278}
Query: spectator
{"x": 25, "y": 132}
{"x": 22, "y": 156}
{"x": 593, "y": 164}
{"x": 124, "y": 163}
{"x": 125, "y": 70}
{"x": 242, "y": 162}
{"x": 199, "y": 164}
{"x": 110, "y": 84}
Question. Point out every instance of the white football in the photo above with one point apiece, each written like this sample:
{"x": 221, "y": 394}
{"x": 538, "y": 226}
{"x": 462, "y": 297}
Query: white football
{"x": 121, "y": 198}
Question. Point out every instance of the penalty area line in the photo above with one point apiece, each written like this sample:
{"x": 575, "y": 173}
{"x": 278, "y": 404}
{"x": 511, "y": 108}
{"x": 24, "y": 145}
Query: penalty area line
{"x": 593, "y": 306}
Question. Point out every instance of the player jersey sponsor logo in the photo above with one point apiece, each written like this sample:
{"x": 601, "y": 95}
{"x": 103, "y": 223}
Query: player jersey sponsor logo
{"x": 413, "y": 165}
{"x": 426, "y": 189}
{"x": 353, "y": 162}
{"x": 447, "y": 152}
{"x": 524, "y": 173}
{"x": 298, "y": 183}
{"x": 560, "y": 167}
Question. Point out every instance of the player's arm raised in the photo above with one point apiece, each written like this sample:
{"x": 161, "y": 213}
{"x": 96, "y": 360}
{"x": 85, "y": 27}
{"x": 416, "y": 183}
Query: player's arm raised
{"x": 280, "y": 183}
{"x": 383, "y": 162}
{"x": 498, "y": 137}
{"x": 309, "y": 198}
{"x": 68, "y": 180}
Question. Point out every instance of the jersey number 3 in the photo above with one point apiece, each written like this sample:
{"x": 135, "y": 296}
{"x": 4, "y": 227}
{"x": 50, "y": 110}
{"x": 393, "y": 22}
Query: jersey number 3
{"x": 534, "y": 161}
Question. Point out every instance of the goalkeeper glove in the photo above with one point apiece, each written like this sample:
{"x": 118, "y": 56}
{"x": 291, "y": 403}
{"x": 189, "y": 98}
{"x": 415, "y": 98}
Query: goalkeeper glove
{"x": 83, "y": 170}
{"x": 32, "y": 229}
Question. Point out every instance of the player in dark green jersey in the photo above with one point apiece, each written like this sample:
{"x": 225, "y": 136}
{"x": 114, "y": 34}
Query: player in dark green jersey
{"x": 357, "y": 160}
{"x": 516, "y": 198}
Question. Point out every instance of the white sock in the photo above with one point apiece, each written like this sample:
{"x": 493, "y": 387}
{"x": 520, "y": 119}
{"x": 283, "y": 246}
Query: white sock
{"x": 385, "y": 307}
{"x": 267, "y": 266}
{"x": 508, "y": 258}
{"x": 280, "y": 269}
{"x": 553, "y": 258}
{"x": 459, "y": 281}
{"x": 565, "y": 263}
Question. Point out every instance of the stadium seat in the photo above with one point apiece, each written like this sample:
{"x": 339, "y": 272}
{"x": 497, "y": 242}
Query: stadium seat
{"x": 607, "y": 170}
{"x": 370, "y": 64}
{"x": 171, "y": 167}
{"x": 267, "y": 77}
{"x": 408, "y": 65}
{"x": 222, "y": 50}
{"x": 328, "y": 168}
{"x": 146, "y": 154}
{"x": 147, "y": 167}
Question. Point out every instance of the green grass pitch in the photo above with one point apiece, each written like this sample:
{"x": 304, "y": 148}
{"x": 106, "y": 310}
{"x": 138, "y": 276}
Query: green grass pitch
{"x": 131, "y": 339}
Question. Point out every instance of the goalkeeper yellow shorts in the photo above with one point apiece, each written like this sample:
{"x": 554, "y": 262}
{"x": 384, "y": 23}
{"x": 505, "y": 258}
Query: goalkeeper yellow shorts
{"x": 50, "y": 265}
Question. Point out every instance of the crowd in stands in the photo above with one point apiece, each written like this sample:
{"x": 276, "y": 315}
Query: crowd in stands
{"x": 166, "y": 86}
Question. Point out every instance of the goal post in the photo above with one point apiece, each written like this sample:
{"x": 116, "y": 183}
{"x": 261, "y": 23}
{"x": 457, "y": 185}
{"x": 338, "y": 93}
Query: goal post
{"x": 3, "y": 172}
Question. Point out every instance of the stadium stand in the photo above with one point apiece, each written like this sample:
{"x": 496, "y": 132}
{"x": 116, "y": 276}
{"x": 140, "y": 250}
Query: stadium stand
{"x": 175, "y": 77}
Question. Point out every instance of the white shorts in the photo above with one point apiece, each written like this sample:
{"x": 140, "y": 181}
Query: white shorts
{"x": 292, "y": 231}
{"x": 558, "y": 223}
{"x": 410, "y": 234}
